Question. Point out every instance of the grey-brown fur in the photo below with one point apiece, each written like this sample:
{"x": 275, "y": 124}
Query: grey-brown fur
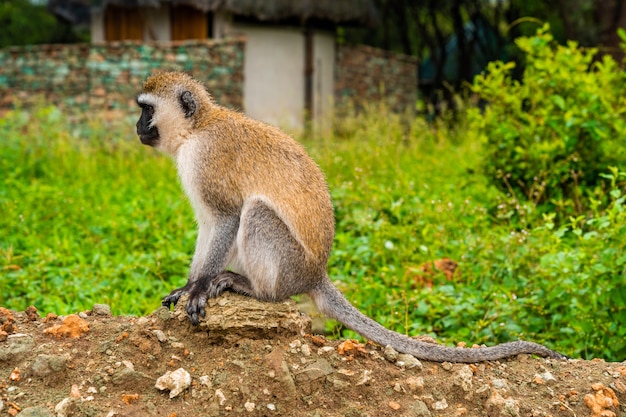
{"x": 266, "y": 221}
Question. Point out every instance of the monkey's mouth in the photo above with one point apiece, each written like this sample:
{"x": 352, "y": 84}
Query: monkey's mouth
{"x": 149, "y": 139}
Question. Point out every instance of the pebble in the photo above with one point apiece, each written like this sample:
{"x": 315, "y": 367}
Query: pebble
{"x": 249, "y": 406}
{"x": 316, "y": 370}
{"x": 440, "y": 405}
{"x": 463, "y": 378}
{"x": 16, "y": 344}
{"x": 416, "y": 384}
{"x": 221, "y": 398}
{"x": 408, "y": 361}
{"x": 447, "y": 366}
{"x": 176, "y": 382}
{"x": 271, "y": 407}
{"x": 325, "y": 349}
{"x": 366, "y": 377}
{"x": 420, "y": 409}
{"x": 62, "y": 407}
{"x": 390, "y": 354}
{"x": 160, "y": 335}
{"x": 101, "y": 310}
{"x": 206, "y": 381}
{"x": 45, "y": 365}
{"x": 34, "y": 412}
{"x": 499, "y": 383}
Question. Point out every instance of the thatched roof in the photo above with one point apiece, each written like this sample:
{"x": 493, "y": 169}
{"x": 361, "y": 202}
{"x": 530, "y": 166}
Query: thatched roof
{"x": 355, "y": 12}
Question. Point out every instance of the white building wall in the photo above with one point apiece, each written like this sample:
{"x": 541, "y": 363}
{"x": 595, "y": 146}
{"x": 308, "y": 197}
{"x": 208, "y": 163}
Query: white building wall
{"x": 97, "y": 26}
{"x": 273, "y": 74}
{"x": 323, "y": 78}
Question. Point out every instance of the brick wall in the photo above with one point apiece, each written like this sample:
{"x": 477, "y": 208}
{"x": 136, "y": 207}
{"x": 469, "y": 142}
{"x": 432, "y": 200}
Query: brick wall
{"x": 365, "y": 74}
{"x": 109, "y": 76}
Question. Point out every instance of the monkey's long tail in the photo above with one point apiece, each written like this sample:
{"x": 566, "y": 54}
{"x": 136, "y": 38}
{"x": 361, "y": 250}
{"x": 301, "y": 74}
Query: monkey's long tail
{"x": 331, "y": 302}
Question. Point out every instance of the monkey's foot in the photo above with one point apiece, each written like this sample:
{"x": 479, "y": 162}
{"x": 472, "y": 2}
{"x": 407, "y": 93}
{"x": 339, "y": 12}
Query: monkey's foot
{"x": 173, "y": 297}
{"x": 202, "y": 290}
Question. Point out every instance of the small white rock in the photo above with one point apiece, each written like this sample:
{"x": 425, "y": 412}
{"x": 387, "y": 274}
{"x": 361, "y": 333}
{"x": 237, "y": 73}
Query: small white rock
{"x": 176, "y": 382}
{"x": 160, "y": 335}
{"x": 205, "y": 380}
{"x": 440, "y": 405}
{"x": 499, "y": 383}
{"x": 366, "y": 377}
{"x": 447, "y": 366}
{"x": 305, "y": 349}
{"x": 547, "y": 377}
{"x": 271, "y": 407}
{"x": 61, "y": 407}
{"x": 249, "y": 406}
{"x": 416, "y": 384}
{"x": 101, "y": 310}
{"x": 221, "y": 398}
{"x": 390, "y": 354}
{"x": 408, "y": 361}
{"x": 295, "y": 344}
{"x": 325, "y": 349}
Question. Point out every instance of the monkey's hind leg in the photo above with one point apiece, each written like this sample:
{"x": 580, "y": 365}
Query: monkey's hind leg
{"x": 228, "y": 280}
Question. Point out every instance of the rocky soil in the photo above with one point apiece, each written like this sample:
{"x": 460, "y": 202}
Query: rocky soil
{"x": 257, "y": 359}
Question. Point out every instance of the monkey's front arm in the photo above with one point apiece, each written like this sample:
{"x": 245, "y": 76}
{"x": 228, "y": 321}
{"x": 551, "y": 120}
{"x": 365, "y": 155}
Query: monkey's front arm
{"x": 214, "y": 246}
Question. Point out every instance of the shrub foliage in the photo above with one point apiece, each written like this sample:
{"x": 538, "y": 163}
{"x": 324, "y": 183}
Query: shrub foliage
{"x": 549, "y": 135}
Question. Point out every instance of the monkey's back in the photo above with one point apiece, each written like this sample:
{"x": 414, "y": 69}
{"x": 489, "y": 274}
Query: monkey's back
{"x": 266, "y": 163}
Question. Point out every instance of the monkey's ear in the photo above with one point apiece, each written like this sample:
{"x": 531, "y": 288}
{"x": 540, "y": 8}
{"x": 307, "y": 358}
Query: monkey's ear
{"x": 188, "y": 103}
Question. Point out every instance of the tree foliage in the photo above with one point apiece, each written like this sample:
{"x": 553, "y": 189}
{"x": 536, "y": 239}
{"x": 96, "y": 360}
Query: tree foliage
{"x": 549, "y": 136}
{"x": 444, "y": 31}
{"x": 24, "y": 23}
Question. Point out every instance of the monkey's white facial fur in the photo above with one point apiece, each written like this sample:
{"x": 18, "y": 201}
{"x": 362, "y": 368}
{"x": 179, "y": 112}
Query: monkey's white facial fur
{"x": 164, "y": 122}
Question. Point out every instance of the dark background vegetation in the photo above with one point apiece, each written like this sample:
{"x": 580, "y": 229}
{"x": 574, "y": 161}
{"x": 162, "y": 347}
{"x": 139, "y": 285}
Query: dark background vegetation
{"x": 454, "y": 39}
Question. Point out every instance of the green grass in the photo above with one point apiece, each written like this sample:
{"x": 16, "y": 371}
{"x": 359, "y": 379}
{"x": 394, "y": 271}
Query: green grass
{"x": 88, "y": 214}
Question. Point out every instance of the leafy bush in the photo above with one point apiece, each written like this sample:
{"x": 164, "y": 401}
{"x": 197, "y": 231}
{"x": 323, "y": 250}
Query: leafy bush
{"x": 549, "y": 136}
{"x": 24, "y": 23}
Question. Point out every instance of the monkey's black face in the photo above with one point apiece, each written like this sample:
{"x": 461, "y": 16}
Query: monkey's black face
{"x": 149, "y": 135}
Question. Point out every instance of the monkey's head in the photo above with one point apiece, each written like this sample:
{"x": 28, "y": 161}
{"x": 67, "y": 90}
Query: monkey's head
{"x": 171, "y": 104}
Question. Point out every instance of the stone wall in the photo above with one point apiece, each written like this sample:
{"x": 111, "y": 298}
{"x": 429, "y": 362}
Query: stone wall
{"x": 365, "y": 74}
{"x": 109, "y": 76}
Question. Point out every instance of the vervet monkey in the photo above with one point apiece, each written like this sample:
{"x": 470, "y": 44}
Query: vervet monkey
{"x": 265, "y": 216}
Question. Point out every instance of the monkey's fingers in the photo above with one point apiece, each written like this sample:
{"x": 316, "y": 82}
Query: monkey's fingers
{"x": 195, "y": 307}
{"x": 173, "y": 297}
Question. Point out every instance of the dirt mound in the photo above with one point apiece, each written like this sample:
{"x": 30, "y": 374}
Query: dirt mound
{"x": 257, "y": 359}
